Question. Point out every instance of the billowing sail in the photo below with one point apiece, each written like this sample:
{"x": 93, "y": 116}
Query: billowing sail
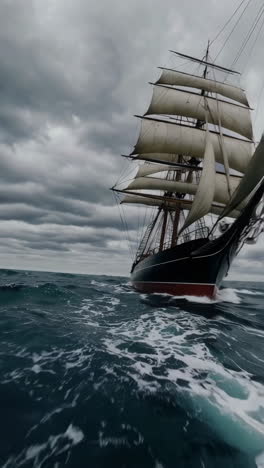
{"x": 159, "y": 157}
{"x": 254, "y": 174}
{"x": 148, "y": 201}
{"x": 152, "y": 183}
{"x": 194, "y": 158}
{"x": 206, "y": 189}
{"x": 176, "y": 78}
{"x": 187, "y": 104}
{"x": 147, "y": 169}
{"x": 172, "y": 139}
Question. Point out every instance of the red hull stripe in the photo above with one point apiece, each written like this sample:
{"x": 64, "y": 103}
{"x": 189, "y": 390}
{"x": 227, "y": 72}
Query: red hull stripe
{"x": 176, "y": 289}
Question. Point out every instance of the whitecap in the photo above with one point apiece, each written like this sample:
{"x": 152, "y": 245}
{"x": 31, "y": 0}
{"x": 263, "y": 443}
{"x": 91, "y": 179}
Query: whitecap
{"x": 260, "y": 460}
{"x": 74, "y": 434}
{"x": 100, "y": 284}
{"x": 36, "y": 368}
{"x": 34, "y": 450}
{"x": 249, "y": 293}
{"x": 222, "y": 295}
{"x": 228, "y": 295}
{"x": 198, "y": 299}
{"x": 228, "y": 401}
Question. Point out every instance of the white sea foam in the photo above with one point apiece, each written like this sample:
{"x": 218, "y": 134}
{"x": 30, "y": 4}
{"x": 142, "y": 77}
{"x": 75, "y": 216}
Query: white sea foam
{"x": 198, "y": 299}
{"x": 105, "y": 440}
{"x": 228, "y": 401}
{"x": 260, "y": 460}
{"x": 249, "y": 293}
{"x": 100, "y": 284}
{"x": 40, "y": 453}
{"x": 158, "y": 464}
{"x": 124, "y": 288}
{"x": 36, "y": 368}
{"x": 222, "y": 295}
{"x": 34, "y": 450}
{"x": 228, "y": 295}
{"x": 98, "y": 306}
{"x": 74, "y": 434}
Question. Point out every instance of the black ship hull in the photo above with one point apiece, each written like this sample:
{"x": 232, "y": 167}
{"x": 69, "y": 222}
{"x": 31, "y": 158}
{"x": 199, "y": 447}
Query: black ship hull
{"x": 196, "y": 267}
{"x": 179, "y": 271}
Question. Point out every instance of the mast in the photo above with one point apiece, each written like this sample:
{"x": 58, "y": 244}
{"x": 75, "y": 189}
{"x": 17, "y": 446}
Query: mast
{"x": 176, "y": 219}
{"x": 214, "y": 65}
{"x": 193, "y": 161}
{"x": 163, "y": 229}
{"x": 200, "y": 123}
{"x": 173, "y": 141}
{"x": 206, "y": 60}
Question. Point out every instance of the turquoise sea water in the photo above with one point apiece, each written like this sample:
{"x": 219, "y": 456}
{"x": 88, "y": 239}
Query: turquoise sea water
{"x": 93, "y": 374}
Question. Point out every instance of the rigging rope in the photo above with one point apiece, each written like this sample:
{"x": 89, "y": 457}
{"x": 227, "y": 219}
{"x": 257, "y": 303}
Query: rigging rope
{"x": 249, "y": 34}
{"x": 253, "y": 45}
{"x": 258, "y": 102}
{"x": 124, "y": 223}
{"x": 233, "y": 29}
{"x": 227, "y": 22}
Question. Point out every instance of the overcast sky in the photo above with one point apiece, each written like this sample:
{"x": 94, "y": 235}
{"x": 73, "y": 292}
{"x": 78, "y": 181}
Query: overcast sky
{"x": 72, "y": 74}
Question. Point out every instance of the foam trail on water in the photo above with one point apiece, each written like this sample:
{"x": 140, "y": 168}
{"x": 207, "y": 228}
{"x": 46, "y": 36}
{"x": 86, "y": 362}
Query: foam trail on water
{"x": 249, "y": 293}
{"x": 230, "y": 418}
{"x": 227, "y": 401}
{"x": 260, "y": 460}
{"x": 228, "y": 295}
{"x": 223, "y": 295}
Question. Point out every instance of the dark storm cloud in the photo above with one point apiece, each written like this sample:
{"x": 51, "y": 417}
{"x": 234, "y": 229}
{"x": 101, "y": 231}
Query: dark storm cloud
{"x": 256, "y": 253}
{"x": 72, "y": 74}
{"x": 250, "y": 261}
{"x": 49, "y": 74}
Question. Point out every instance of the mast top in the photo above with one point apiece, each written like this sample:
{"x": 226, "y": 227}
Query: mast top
{"x": 206, "y": 59}
{"x": 205, "y": 62}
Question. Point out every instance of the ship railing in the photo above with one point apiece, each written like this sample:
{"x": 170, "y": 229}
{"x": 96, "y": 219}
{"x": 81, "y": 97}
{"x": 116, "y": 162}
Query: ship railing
{"x": 198, "y": 233}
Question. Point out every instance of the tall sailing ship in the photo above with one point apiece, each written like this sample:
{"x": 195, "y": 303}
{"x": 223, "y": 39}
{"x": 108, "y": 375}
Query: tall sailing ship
{"x": 200, "y": 174}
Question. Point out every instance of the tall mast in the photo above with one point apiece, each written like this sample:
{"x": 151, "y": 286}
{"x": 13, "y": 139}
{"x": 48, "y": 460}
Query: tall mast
{"x": 177, "y": 146}
{"x": 200, "y": 123}
{"x": 163, "y": 229}
{"x": 206, "y": 59}
{"x": 176, "y": 216}
{"x": 194, "y": 161}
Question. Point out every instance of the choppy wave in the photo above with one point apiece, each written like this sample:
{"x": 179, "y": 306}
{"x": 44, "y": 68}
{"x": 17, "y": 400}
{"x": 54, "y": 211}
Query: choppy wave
{"x": 93, "y": 371}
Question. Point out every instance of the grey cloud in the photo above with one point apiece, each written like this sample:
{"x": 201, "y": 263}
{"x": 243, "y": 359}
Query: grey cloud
{"x": 72, "y": 74}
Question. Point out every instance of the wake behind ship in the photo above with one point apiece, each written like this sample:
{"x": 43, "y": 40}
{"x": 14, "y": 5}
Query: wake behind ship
{"x": 200, "y": 179}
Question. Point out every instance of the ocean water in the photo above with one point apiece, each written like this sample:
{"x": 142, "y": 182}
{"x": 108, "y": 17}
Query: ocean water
{"x": 95, "y": 375}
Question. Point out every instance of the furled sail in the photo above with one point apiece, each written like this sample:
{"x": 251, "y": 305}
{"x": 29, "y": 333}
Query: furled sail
{"x": 254, "y": 174}
{"x": 206, "y": 188}
{"x": 187, "y": 104}
{"x": 152, "y": 183}
{"x": 148, "y": 201}
{"x": 176, "y": 78}
{"x": 171, "y": 139}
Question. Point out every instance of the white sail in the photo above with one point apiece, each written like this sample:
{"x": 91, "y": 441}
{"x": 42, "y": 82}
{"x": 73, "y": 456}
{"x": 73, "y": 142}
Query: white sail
{"x": 147, "y": 169}
{"x": 159, "y": 157}
{"x": 206, "y": 188}
{"x": 148, "y": 201}
{"x": 152, "y": 183}
{"x": 175, "y": 102}
{"x": 158, "y": 140}
{"x": 176, "y": 78}
{"x": 254, "y": 174}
